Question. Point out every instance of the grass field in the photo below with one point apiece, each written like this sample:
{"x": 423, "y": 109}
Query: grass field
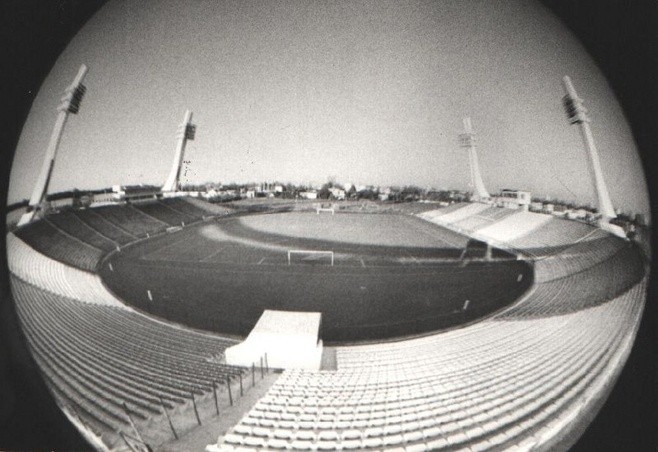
{"x": 394, "y": 275}
{"x": 356, "y": 239}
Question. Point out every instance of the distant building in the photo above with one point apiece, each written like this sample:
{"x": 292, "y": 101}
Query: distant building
{"x": 337, "y": 193}
{"x": 103, "y": 198}
{"x": 59, "y": 203}
{"x": 513, "y": 199}
{"x": 577, "y": 214}
{"x": 536, "y": 206}
{"x": 135, "y": 192}
{"x": 309, "y": 194}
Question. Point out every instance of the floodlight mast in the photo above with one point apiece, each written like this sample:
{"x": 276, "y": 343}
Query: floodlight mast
{"x": 577, "y": 114}
{"x": 467, "y": 139}
{"x": 186, "y": 131}
{"x": 70, "y": 104}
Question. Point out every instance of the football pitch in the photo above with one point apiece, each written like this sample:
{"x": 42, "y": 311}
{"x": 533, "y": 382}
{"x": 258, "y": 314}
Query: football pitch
{"x": 392, "y": 275}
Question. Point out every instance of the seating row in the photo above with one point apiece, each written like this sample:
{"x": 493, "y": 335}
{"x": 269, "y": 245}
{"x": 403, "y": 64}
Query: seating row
{"x": 98, "y": 357}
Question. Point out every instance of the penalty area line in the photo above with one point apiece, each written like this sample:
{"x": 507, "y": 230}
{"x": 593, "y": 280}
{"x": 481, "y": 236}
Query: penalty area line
{"x": 211, "y": 255}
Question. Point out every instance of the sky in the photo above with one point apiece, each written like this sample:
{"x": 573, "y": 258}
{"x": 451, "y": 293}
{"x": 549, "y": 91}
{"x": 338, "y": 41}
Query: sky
{"x": 368, "y": 92}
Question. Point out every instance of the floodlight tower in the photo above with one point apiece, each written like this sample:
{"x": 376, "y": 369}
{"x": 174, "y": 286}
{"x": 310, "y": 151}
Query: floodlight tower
{"x": 70, "y": 104}
{"x": 467, "y": 140}
{"x": 186, "y": 131}
{"x": 577, "y": 114}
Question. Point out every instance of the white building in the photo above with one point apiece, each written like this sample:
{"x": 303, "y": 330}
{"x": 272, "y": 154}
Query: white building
{"x": 513, "y": 199}
{"x": 309, "y": 194}
{"x": 337, "y": 193}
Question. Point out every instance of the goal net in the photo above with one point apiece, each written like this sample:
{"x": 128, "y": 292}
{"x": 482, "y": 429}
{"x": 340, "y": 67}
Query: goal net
{"x": 310, "y": 256}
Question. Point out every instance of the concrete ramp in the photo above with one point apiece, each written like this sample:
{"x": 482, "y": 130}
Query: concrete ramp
{"x": 288, "y": 340}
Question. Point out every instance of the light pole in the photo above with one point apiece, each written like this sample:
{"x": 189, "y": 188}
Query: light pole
{"x": 186, "y": 131}
{"x": 467, "y": 140}
{"x": 577, "y": 114}
{"x": 70, "y": 104}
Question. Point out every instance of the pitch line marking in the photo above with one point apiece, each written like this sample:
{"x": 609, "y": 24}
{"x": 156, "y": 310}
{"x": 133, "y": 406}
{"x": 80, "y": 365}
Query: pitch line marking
{"x": 213, "y": 254}
{"x": 363, "y": 264}
{"x": 260, "y": 261}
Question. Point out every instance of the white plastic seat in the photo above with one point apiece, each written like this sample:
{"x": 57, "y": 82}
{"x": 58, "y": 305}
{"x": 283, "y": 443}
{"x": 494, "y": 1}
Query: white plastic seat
{"x": 254, "y": 441}
{"x": 412, "y": 436}
{"x": 306, "y": 425}
{"x": 327, "y": 445}
{"x": 305, "y": 435}
{"x": 372, "y": 442}
{"x": 267, "y": 423}
{"x": 277, "y": 444}
{"x": 232, "y": 438}
{"x": 301, "y": 445}
{"x": 260, "y": 432}
{"x": 242, "y": 429}
{"x": 351, "y": 434}
{"x": 392, "y": 429}
{"x": 328, "y": 435}
{"x": 393, "y": 440}
{"x": 352, "y": 444}
{"x": 373, "y": 431}
{"x": 418, "y": 447}
{"x": 282, "y": 434}
{"x": 342, "y": 425}
{"x": 437, "y": 443}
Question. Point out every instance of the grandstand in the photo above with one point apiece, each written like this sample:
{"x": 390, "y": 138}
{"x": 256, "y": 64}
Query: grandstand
{"x": 97, "y": 354}
{"x": 69, "y": 223}
{"x": 98, "y": 223}
{"x": 132, "y": 220}
{"x": 496, "y": 385}
{"x": 521, "y": 377}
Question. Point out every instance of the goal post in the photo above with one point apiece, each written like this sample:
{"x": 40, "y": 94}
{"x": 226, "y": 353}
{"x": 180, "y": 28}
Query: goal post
{"x": 325, "y": 208}
{"x": 291, "y": 253}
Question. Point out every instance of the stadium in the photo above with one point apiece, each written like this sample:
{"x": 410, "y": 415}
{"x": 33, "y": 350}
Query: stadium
{"x": 160, "y": 320}
{"x": 471, "y": 326}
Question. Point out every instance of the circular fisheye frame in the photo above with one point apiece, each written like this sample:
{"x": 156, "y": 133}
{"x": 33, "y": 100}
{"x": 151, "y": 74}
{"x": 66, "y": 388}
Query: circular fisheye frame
{"x": 312, "y": 226}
